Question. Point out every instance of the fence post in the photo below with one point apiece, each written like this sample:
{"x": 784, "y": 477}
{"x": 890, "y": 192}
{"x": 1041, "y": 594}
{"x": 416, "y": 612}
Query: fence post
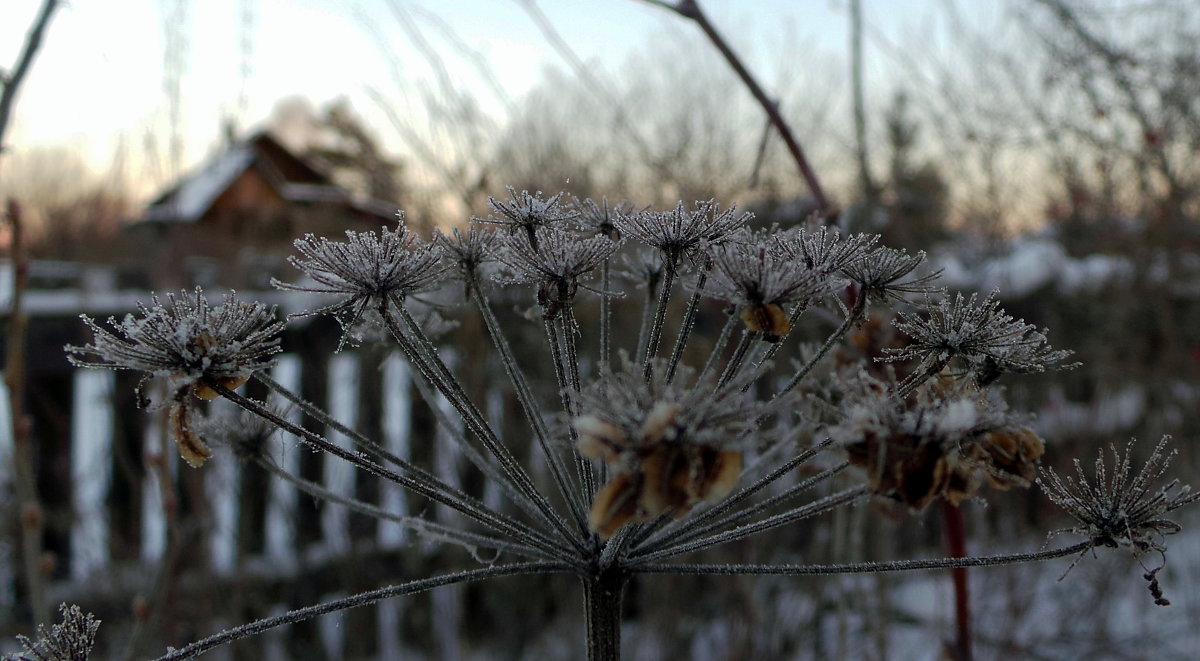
{"x": 397, "y": 425}
{"x": 281, "y": 504}
{"x": 7, "y": 574}
{"x": 91, "y": 470}
{"x": 338, "y": 475}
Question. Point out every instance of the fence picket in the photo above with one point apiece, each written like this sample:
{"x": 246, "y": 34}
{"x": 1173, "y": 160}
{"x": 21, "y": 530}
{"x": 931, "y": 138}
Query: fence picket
{"x": 397, "y": 421}
{"x": 338, "y": 475}
{"x": 280, "y": 522}
{"x": 91, "y": 470}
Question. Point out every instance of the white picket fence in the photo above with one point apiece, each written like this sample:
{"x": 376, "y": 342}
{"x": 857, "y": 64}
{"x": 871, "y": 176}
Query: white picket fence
{"x": 92, "y": 475}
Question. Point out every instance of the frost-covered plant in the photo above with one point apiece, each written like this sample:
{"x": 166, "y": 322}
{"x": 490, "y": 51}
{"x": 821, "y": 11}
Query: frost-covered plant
{"x": 69, "y": 640}
{"x": 650, "y": 459}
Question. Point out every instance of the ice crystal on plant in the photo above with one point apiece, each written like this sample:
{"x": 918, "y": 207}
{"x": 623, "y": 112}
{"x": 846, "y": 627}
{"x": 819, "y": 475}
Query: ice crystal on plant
{"x": 758, "y": 275}
{"x": 364, "y": 271}
{"x": 70, "y": 640}
{"x": 1120, "y": 508}
{"x": 982, "y": 334}
{"x": 670, "y": 445}
{"x": 527, "y": 212}
{"x": 468, "y": 251}
{"x": 600, "y": 217}
{"x": 186, "y": 339}
{"x": 680, "y": 233}
{"x": 881, "y": 273}
{"x": 554, "y": 262}
{"x": 823, "y": 248}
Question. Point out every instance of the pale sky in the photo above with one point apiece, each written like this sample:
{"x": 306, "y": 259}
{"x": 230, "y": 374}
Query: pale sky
{"x": 99, "y": 81}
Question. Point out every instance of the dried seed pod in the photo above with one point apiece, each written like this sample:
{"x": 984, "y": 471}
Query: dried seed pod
{"x": 598, "y": 439}
{"x": 768, "y": 319}
{"x": 615, "y": 505}
{"x": 208, "y": 394}
{"x": 192, "y": 448}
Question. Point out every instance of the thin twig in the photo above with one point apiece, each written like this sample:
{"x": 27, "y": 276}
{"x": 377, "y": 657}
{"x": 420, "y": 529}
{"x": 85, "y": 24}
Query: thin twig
{"x": 691, "y": 9}
{"x": 354, "y": 601}
{"x": 864, "y": 567}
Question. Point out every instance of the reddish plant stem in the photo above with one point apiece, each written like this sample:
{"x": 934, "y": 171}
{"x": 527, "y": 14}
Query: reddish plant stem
{"x": 956, "y": 542}
{"x": 32, "y": 515}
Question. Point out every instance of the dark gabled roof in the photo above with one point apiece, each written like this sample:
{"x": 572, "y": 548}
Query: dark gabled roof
{"x": 291, "y": 177}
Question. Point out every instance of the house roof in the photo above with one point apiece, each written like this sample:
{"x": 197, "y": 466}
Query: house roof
{"x": 290, "y": 176}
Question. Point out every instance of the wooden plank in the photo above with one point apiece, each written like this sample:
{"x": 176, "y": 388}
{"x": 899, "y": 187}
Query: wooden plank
{"x": 397, "y": 427}
{"x": 91, "y": 470}
{"x": 338, "y": 476}
{"x": 280, "y": 519}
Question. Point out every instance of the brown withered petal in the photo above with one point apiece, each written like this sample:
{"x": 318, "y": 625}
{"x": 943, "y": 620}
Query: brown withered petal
{"x": 660, "y": 421}
{"x": 768, "y": 319}
{"x": 664, "y": 481}
{"x": 208, "y": 394}
{"x": 192, "y": 448}
{"x": 615, "y": 505}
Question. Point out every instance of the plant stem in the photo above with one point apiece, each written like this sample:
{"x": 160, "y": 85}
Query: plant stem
{"x": 689, "y": 320}
{"x": 32, "y": 515}
{"x": 529, "y": 405}
{"x": 855, "y": 315}
{"x": 660, "y": 314}
{"x": 602, "y": 594}
{"x": 865, "y": 567}
{"x": 956, "y": 541}
{"x": 354, "y": 601}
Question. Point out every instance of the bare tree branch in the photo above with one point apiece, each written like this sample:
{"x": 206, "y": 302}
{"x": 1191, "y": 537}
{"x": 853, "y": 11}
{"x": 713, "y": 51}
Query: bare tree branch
{"x": 12, "y": 82}
{"x": 691, "y": 9}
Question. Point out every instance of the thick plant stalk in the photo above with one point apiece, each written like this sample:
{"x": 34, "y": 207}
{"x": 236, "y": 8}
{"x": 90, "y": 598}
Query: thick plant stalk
{"x": 956, "y": 541}
{"x": 602, "y": 595}
{"x": 32, "y": 516}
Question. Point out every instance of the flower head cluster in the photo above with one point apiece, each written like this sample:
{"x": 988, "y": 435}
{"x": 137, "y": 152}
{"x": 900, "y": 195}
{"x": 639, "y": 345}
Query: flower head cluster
{"x": 942, "y": 444}
{"x": 600, "y": 217}
{"x": 192, "y": 343}
{"x": 680, "y": 233}
{"x": 554, "y": 262}
{"x": 882, "y": 274}
{"x": 822, "y": 248}
{"x": 188, "y": 340}
{"x": 469, "y": 251}
{"x": 70, "y": 640}
{"x": 1120, "y": 509}
{"x": 760, "y": 280}
{"x": 527, "y": 212}
{"x": 365, "y": 270}
{"x": 670, "y": 446}
{"x": 984, "y": 336}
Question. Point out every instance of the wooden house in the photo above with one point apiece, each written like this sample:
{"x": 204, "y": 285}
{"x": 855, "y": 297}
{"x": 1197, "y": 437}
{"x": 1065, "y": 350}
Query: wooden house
{"x": 231, "y": 221}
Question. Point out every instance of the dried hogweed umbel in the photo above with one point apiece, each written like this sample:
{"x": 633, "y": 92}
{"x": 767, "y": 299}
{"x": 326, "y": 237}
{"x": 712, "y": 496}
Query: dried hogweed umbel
{"x": 193, "y": 345}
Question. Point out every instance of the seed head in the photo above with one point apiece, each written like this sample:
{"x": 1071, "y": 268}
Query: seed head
{"x": 881, "y": 274}
{"x": 365, "y": 271}
{"x": 988, "y": 339}
{"x": 942, "y": 444}
{"x": 527, "y": 212}
{"x": 759, "y": 280}
{"x": 554, "y": 263}
{"x": 70, "y": 640}
{"x": 670, "y": 446}
{"x": 1121, "y": 510}
{"x": 187, "y": 340}
{"x": 680, "y": 233}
